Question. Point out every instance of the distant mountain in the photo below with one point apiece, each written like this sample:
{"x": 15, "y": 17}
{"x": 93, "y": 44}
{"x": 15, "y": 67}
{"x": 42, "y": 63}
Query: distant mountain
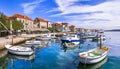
{"x": 113, "y": 30}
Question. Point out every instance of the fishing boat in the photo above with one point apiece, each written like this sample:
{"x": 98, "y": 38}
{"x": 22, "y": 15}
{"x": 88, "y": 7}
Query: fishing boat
{"x": 19, "y": 50}
{"x": 94, "y": 55}
{"x": 70, "y": 38}
{"x": 32, "y": 42}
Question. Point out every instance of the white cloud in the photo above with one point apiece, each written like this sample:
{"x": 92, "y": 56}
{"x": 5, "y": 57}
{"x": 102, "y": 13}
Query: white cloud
{"x": 108, "y": 18}
{"x": 69, "y": 6}
{"x": 29, "y": 7}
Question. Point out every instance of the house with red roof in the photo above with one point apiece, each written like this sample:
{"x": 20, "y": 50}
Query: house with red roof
{"x": 27, "y": 21}
{"x": 72, "y": 28}
{"x": 42, "y": 23}
{"x": 64, "y": 27}
{"x": 82, "y": 30}
{"x": 57, "y": 26}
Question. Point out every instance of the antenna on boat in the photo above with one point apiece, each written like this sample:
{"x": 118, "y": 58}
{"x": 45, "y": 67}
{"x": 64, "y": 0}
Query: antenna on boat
{"x": 100, "y": 41}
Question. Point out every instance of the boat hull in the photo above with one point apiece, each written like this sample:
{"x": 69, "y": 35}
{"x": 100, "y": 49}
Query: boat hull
{"x": 92, "y": 61}
{"x": 69, "y": 40}
{"x": 32, "y": 43}
{"x": 20, "y": 52}
{"x": 93, "y": 56}
{"x": 43, "y": 38}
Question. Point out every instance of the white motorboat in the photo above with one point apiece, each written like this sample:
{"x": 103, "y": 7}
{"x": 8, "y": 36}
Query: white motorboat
{"x": 94, "y": 55}
{"x": 70, "y": 38}
{"x": 19, "y": 50}
{"x": 44, "y": 37}
{"x": 32, "y": 42}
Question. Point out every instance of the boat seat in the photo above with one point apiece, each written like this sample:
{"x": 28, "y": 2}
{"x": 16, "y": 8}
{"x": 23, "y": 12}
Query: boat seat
{"x": 105, "y": 48}
{"x": 96, "y": 53}
{"x": 92, "y": 55}
{"x": 83, "y": 55}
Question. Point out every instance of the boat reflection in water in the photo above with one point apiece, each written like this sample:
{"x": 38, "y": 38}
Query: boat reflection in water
{"x": 3, "y": 53}
{"x": 72, "y": 47}
{"x": 45, "y": 43}
{"x": 3, "y": 59}
{"x": 92, "y": 66}
{"x": 65, "y": 48}
{"x": 20, "y": 57}
{"x": 41, "y": 45}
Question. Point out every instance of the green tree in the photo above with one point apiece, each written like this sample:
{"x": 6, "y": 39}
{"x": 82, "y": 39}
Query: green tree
{"x": 54, "y": 29}
{"x": 17, "y": 25}
{"x": 4, "y": 21}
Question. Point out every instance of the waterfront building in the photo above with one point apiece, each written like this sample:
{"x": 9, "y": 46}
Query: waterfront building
{"x": 57, "y": 26}
{"x": 81, "y": 30}
{"x": 27, "y": 21}
{"x": 72, "y": 28}
{"x": 64, "y": 27}
{"x": 42, "y": 23}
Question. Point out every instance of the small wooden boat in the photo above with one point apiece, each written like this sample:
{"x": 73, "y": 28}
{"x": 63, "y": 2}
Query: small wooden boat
{"x": 32, "y": 42}
{"x": 18, "y": 50}
{"x": 94, "y": 55}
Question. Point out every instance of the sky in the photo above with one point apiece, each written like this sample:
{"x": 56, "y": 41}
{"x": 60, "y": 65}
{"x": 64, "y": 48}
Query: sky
{"x": 91, "y": 14}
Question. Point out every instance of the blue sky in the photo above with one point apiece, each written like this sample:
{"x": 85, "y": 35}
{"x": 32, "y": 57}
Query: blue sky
{"x": 102, "y": 14}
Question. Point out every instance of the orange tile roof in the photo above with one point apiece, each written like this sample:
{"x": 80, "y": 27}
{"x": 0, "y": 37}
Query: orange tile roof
{"x": 21, "y": 16}
{"x": 56, "y": 24}
{"x": 64, "y": 23}
{"x": 7, "y": 17}
{"x": 42, "y": 20}
{"x": 72, "y": 26}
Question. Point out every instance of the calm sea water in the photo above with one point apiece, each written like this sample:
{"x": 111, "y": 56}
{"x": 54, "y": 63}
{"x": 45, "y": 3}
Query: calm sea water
{"x": 55, "y": 56}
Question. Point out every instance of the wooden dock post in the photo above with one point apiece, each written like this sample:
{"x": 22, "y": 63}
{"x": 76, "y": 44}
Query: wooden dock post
{"x": 100, "y": 41}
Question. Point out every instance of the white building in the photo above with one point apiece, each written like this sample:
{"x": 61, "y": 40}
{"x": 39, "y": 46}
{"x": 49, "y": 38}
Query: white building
{"x": 27, "y": 22}
{"x": 41, "y": 23}
{"x": 64, "y": 27}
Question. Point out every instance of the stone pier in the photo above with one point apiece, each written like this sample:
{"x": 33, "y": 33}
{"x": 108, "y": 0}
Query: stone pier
{"x": 16, "y": 39}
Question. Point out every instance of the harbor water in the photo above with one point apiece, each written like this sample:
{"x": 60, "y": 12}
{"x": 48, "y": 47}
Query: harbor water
{"x": 53, "y": 55}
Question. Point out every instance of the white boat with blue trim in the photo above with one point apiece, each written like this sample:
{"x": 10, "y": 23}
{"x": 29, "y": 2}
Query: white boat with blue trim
{"x": 70, "y": 38}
